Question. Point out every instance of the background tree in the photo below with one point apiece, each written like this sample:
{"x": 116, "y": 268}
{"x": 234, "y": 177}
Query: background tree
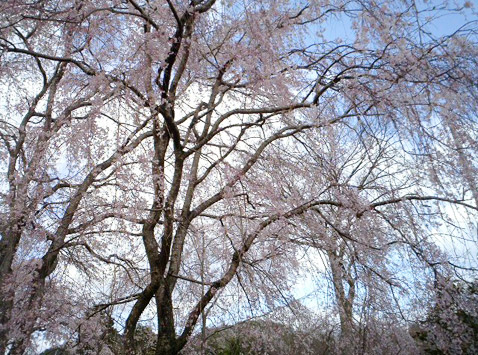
{"x": 451, "y": 323}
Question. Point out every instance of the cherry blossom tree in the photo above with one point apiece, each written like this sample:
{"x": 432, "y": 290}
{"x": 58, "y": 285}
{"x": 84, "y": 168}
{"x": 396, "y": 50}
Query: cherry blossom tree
{"x": 369, "y": 258}
{"x": 158, "y": 155}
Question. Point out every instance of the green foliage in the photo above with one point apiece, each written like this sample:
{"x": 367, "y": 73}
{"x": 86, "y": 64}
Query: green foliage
{"x": 262, "y": 337}
{"x": 451, "y": 326}
{"x": 145, "y": 340}
{"x": 234, "y": 346}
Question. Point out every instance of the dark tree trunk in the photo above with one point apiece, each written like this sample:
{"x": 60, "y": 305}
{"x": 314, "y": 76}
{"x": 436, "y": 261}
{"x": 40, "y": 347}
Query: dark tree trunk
{"x": 166, "y": 342}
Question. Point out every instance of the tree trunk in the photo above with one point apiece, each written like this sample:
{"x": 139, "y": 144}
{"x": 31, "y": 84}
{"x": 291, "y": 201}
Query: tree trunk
{"x": 166, "y": 345}
{"x": 8, "y": 245}
{"x": 166, "y": 342}
{"x": 344, "y": 301}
